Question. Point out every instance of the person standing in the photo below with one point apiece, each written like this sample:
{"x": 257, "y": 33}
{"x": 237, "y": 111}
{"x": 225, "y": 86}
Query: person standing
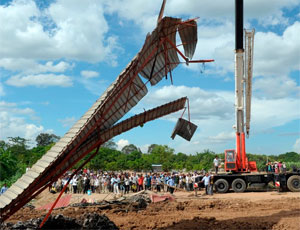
{"x": 148, "y": 182}
{"x": 280, "y": 166}
{"x": 211, "y": 185}
{"x": 3, "y": 189}
{"x": 127, "y": 184}
{"x": 171, "y": 185}
{"x": 158, "y": 184}
{"x": 92, "y": 183}
{"x": 140, "y": 182}
{"x": 206, "y": 180}
{"x": 283, "y": 167}
{"x": 74, "y": 184}
{"x": 122, "y": 184}
{"x": 87, "y": 185}
{"x": 97, "y": 184}
{"x": 134, "y": 180}
{"x": 80, "y": 184}
{"x": 115, "y": 184}
{"x": 216, "y": 164}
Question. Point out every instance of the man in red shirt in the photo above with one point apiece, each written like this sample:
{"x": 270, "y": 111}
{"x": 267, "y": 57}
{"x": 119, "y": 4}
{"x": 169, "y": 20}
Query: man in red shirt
{"x": 140, "y": 182}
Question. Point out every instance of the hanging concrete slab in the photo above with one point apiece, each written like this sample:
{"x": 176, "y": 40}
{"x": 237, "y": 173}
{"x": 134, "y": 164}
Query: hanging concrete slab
{"x": 184, "y": 128}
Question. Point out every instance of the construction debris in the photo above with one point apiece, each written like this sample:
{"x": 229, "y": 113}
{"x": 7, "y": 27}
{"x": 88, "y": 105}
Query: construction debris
{"x": 87, "y": 221}
{"x": 135, "y": 202}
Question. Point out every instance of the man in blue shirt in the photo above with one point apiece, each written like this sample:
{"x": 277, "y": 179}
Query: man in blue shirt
{"x": 171, "y": 184}
{"x": 3, "y": 189}
{"x": 206, "y": 180}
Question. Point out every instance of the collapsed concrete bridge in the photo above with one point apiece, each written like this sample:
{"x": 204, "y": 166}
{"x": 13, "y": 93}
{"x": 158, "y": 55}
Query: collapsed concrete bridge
{"x": 157, "y": 58}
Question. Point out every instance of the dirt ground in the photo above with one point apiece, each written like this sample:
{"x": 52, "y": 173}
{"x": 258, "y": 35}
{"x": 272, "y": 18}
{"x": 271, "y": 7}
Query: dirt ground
{"x": 249, "y": 210}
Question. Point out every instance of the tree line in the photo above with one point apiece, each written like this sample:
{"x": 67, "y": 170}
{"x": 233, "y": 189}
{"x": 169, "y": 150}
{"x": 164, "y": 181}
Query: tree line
{"x": 16, "y": 156}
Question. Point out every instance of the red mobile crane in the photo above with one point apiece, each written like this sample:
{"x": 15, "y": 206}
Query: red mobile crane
{"x": 241, "y": 174}
{"x": 236, "y": 160}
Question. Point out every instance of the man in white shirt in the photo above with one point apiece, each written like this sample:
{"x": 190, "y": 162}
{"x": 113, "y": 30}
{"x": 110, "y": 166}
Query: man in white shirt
{"x": 216, "y": 164}
{"x": 114, "y": 183}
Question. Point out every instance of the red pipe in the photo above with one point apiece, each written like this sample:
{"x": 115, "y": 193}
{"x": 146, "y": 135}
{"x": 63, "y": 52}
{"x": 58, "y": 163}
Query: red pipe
{"x": 238, "y": 151}
{"x": 243, "y": 152}
{"x": 66, "y": 185}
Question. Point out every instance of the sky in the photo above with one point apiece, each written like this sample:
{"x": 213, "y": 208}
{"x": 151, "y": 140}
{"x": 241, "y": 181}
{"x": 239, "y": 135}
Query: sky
{"x": 58, "y": 57}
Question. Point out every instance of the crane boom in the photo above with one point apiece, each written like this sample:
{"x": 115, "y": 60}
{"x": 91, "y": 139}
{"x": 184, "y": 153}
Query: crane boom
{"x": 249, "y": 48}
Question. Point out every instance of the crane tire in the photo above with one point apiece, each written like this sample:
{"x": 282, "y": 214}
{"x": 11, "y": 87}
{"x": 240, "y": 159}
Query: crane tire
{"x": 221, "y": 186}
{"x": 239, "y": 185}
{"x": 293, "y": 183}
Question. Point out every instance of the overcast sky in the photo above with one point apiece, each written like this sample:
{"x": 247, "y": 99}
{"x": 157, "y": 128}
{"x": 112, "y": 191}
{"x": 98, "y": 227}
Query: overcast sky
{"x": 58, "y": 57}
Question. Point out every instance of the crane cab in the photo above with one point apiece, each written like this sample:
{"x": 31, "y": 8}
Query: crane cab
{"x": 230, "y": 160}
{"x": 231, "y": 163}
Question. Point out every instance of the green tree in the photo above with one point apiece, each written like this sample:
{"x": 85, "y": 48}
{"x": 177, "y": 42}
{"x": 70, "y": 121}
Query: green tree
{"x": 162, "y": 154}
{"x": 110, "y": 144}
{"x": 19, "y": 148}
{"x": 289, "y": 157}
{"x": 37, "y": 152}
{"x": 8, "y": 164}
{"x": 44, "y": 139}
{"x": 167, "y": 166}
{"x": 151, "y": 147}
{"x": 134, "y": 156}
{"x": 127, "y": 149}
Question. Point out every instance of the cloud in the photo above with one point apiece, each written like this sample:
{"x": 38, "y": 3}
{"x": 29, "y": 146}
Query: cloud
{"x": 30, "y": 66}
{"x": 12, "y": 108}
{"x": 40, "y": 80}
{"x": 2, "y": 91}
{"x": 215, "y": 42}
{"x": 121, "y": 143}
{"x": 15, "y": 121}
{"x": 203, "y": 104}
{"x": 285, "y": 87}
{"x": 68, "y": 29}
{"x": 276, "y": 55}
{"x": 94, "y": 87}
{"x": 221, "y": 137}
{"x": 89, "y": 74}
{"x": 68, "y": 121}
{"x": 296, "y": 146}
{"x": 144, "y": 14}
{"x": 144, "y": 148}
{"x": 290, "y": 134}
{"x": 268, "y": 113}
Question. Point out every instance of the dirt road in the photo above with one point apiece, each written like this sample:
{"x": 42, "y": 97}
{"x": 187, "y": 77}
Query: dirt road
{"x": 250, "y": 210}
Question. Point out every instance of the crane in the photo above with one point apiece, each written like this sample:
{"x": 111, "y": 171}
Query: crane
{"x": 236, "y": 159}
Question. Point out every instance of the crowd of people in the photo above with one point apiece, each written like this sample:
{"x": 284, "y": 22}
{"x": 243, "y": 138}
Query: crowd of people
{"x": 88, "y": 181}
{"x": 277, "y": 167}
